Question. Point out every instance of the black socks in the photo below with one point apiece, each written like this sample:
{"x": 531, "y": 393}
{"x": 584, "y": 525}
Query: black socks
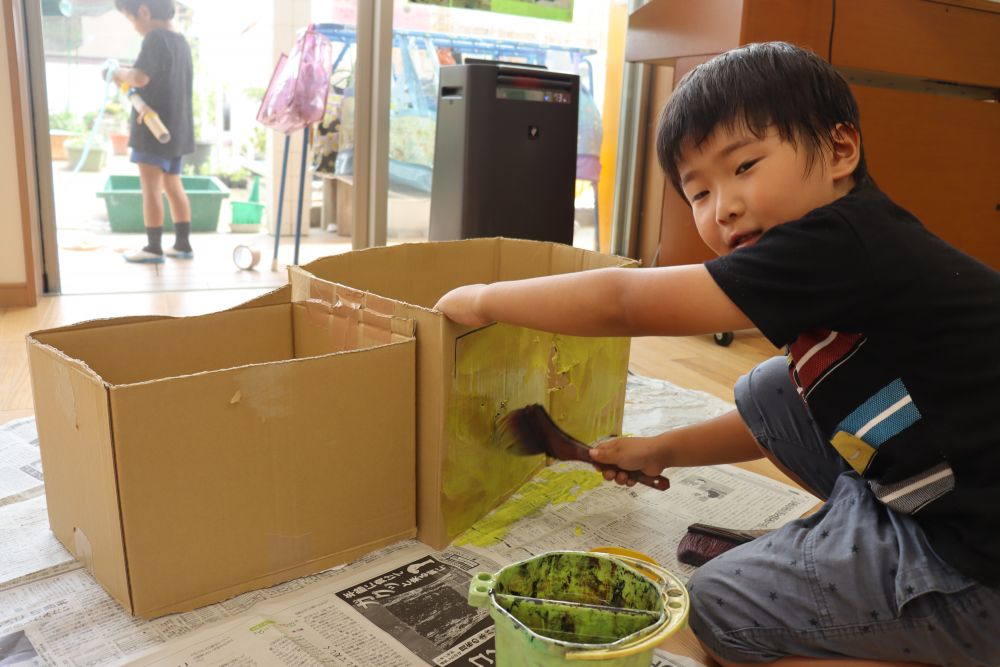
{"x": 182, "y": 234}
{"x": 154, "y": 235}
{"x": 182, "y": 238}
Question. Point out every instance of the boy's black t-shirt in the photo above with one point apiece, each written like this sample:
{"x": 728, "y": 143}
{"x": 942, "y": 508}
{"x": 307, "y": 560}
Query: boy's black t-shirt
{"x": 893, "y": 339}
{"x": 166, "y": 58}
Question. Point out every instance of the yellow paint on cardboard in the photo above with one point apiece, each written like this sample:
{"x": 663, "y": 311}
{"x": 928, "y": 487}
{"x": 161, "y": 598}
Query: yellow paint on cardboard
{"x": 580, "y": 381}
{"x": 548, "y": 487}
{"x": 495, "y": 368}
{"x": 590, "y": 390}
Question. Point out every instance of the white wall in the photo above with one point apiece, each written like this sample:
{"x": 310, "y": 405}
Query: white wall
{"x": 12, "y": 266}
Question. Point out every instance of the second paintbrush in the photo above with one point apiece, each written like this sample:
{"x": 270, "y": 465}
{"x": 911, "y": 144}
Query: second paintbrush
{"x": 531, "y": 430}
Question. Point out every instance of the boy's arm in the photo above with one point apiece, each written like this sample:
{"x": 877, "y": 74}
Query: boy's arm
{"x": 667, "y": 301}
{"x": 723, "y": 439}
{"x": 131, "y": 76}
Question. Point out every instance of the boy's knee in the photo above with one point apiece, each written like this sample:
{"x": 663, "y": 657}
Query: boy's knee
{"x": 770, "y": 376}
{"x": 717, "y": 614}
{"x": 709, "y": 590}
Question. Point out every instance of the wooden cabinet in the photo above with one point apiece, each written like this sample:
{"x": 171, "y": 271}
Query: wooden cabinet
{"x": 926, "y": 74}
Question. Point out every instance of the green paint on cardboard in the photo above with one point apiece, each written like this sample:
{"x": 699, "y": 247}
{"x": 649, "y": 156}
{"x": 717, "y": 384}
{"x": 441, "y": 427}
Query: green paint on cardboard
{"x": 548, "y": 487}
{"x": 581, "y": 381}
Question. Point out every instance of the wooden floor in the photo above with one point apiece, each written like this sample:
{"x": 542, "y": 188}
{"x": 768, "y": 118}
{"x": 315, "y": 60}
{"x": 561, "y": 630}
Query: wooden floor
{"x": 691, "y": 362}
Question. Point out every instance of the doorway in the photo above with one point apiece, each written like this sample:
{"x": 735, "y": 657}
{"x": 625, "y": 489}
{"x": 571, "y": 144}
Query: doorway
{"x": 94, "y": 209}
{"x": 91, "y": 206}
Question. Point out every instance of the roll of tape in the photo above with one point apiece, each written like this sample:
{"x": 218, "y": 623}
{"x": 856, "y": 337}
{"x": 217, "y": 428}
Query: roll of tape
{"x": 246, "y": 257}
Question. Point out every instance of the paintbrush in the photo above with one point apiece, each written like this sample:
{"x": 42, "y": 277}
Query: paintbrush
{"x": 532, "y": 431}
{"x": 703, "y": 542}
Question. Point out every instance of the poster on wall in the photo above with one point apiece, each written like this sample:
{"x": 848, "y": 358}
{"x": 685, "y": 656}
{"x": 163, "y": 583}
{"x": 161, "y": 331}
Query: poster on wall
{"x": 556, "y": 10}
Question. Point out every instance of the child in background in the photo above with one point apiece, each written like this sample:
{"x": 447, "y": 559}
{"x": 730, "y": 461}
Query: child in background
{"x": 885, "y": 407}
{"x": 162, "y": 74}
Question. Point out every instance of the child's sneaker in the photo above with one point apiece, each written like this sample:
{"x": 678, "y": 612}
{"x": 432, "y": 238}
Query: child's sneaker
{"x": 179, "y": 254}
{"x": 142, "y": 257}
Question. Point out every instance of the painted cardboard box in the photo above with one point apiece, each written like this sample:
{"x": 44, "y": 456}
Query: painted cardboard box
{"x": 191, "y": 459}
{"x": 467, "y": 379}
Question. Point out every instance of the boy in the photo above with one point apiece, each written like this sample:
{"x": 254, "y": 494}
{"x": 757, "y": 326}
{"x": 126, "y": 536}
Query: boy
{"x": 885, "y": 406}
{"x": 162, "y": 75}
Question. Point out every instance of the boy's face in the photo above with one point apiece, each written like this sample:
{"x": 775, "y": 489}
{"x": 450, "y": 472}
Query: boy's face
{"x": 141, "y": 20}
{"x": 740, "y": 186}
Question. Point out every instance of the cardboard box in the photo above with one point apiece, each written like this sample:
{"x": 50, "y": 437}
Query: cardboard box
{"x": 191, "y": 459}
{"x": 467, "y": 379}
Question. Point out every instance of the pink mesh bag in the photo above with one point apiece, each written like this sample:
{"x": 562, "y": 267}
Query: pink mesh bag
{"x": 296, "y": 95}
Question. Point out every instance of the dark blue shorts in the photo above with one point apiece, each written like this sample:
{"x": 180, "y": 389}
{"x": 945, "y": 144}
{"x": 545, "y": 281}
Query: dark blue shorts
{"x": 167, "y": 164}
{"x": 854, "y": 580}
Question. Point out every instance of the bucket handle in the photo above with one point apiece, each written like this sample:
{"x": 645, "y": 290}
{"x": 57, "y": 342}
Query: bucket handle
{"x": 676, "y": 605}
{"x": 479, "y": 589}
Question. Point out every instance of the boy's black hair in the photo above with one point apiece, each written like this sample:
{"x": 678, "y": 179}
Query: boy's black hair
{"x": 161, "y": 10}
{"x": 758, "y": 86}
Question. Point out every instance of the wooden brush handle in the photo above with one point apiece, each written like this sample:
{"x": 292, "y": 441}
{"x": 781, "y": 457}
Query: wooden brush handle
{"x": 660, "y": 483}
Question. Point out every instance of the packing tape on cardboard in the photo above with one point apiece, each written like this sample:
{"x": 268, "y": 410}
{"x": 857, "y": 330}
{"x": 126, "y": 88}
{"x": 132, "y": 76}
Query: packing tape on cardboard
{"x": 352, "y": 328}
{"x": 306, "y": 286}
{"x": 287, "y": 551}
{"x": 341, "y": 323}
{"x": 82, "y": 549}
{"x": 373, "y": 315}
{"x": 323, "y": 291}
{"x": 393, "y": 326}
{"x": 301, "y": 283}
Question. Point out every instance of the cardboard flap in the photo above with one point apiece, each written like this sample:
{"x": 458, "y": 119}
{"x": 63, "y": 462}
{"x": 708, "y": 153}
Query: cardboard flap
{"x": 129, "y": 350}
{"x": 412, "y": 273}
{"x": 97, "y": 324}
{"x": 272, "y": 298}
{"x": 354, "y": 318}
{"x": 517, "y": 259}
{"x": 77, "y": 449}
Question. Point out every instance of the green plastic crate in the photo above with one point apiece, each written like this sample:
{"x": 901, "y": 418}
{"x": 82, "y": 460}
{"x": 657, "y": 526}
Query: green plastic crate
{"x": 123, "y": 197}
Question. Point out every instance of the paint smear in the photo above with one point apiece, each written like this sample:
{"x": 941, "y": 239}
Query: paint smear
{"x": 548, "y": 487}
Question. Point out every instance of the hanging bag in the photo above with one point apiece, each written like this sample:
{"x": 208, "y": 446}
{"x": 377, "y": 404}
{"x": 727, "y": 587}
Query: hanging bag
{"x": 296, "y": 95}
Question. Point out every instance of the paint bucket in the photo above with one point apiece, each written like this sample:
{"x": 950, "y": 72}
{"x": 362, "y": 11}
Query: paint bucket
{"x": 573, "y": 605}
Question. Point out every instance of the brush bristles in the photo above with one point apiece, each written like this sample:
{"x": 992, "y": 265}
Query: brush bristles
{"x": 697, "y": 549}
{"x": 702, "y": 542}
{"x": 530, "y": 430}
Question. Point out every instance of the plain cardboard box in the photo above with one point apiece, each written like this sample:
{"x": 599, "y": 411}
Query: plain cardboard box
{"x": 190, "y": 459}
{"x": 468, "y": 379}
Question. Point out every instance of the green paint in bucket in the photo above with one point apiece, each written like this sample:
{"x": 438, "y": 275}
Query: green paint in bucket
{"x": 572, "y": 605}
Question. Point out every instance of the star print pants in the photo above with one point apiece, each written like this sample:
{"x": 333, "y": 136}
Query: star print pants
{"x": 853, "y": 580}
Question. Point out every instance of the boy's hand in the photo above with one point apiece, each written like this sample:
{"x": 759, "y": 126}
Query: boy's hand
{"x": 643, "y": 454}
{"x": 462, "y": 305}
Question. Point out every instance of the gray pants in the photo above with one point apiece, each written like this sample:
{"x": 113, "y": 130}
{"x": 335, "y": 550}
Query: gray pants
{"x": 853, "y": 580}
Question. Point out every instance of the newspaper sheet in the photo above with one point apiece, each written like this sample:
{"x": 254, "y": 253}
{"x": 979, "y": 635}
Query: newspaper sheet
{"x": 28, "y": 549}
{"x": 71, "y": 620}
{"x": 20, "y": 462}
{"x": 416, "y": 612}
{"x": 405, "y": 604}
